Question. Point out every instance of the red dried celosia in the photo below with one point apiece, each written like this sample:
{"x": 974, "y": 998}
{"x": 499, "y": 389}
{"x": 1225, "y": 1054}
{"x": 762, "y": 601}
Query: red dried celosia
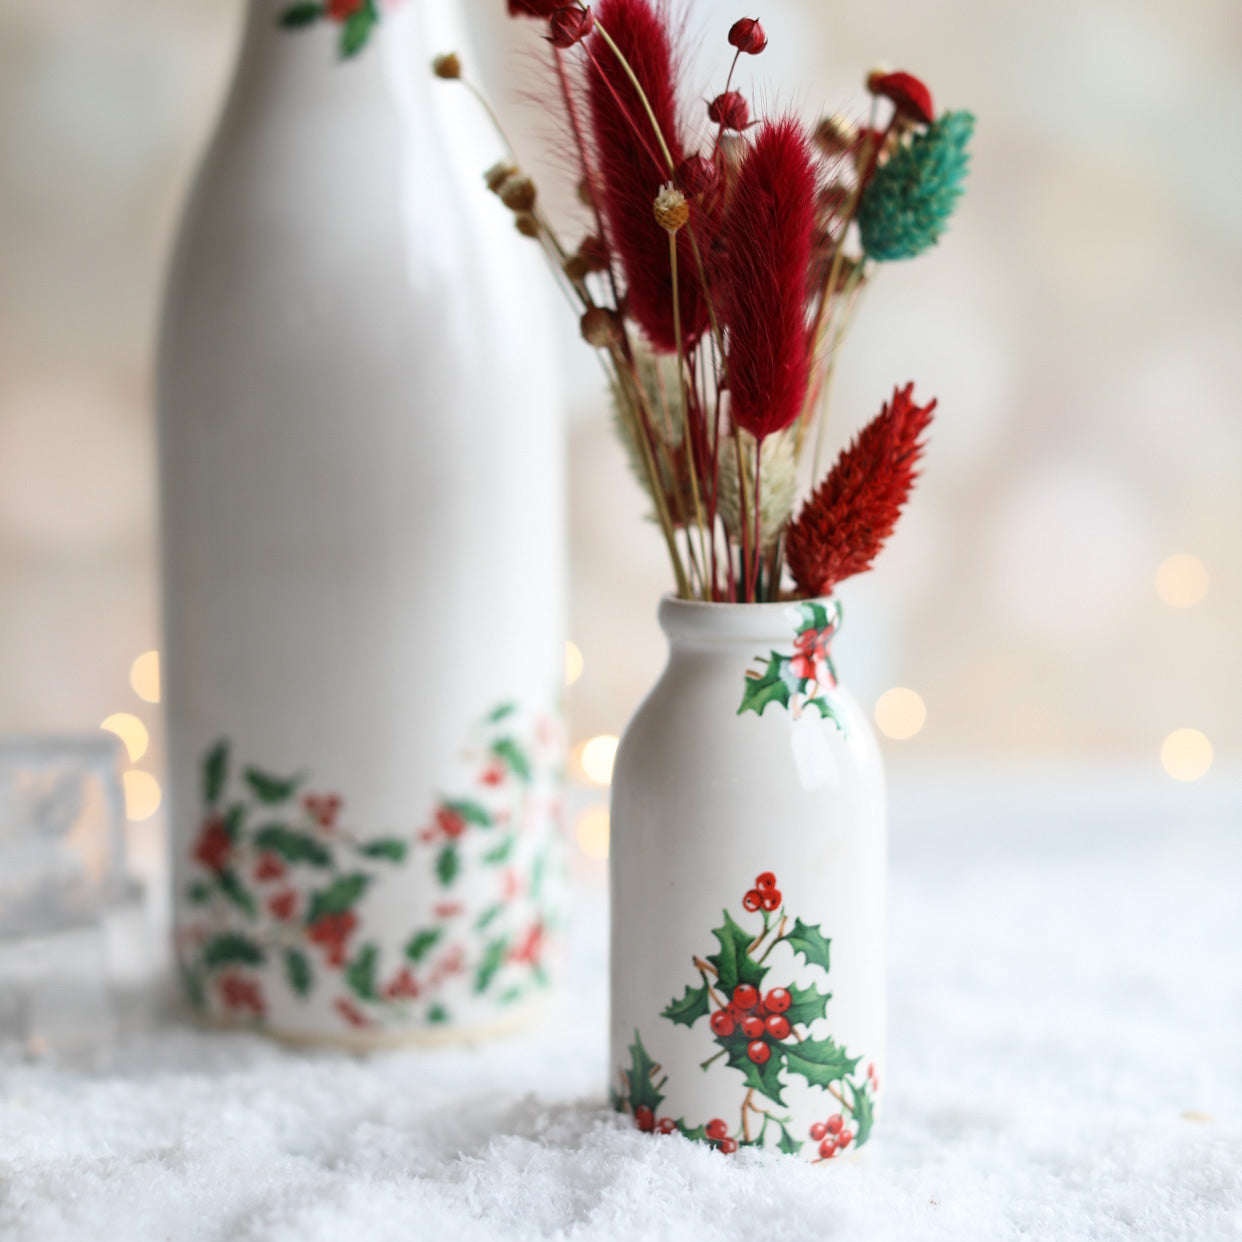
{"x": 570, "y": 25}
{"x": 765, "y": 250}
{"x": 843, "y": 526}
{"x": 632, "y": 167}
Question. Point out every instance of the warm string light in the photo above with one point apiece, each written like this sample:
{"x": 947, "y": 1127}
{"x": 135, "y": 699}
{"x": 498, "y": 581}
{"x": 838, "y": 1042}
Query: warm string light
{"x": 131, "y": 731}
{"x": 1181, "y": 580}
{"x": 144, "y": 676}
{"x": 900, "y": 713}
{"x": 574, "y": 662}
{"x": 592, "y": 832}
{"x": 142, "y": 795}
{"x": 1186, "y": 754}
{"x": 596, "y": 758}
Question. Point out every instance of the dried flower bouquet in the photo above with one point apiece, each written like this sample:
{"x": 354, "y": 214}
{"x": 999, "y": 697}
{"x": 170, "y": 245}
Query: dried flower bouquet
{"x": 722, "y": 267}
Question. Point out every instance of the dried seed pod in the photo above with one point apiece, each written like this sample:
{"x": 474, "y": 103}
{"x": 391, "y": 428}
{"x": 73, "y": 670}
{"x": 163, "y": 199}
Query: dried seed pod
{"x": 696, "y": 175}
{"x": 911, "y": 99}
{"x": 570, "y": 25}
{"x": 836, "y": 134}
{"x": 729, "y": 110}
{"x": 600, "y": 327}
{"x": 447, "y": 67}
{"x": 527, "y": 225}
{"x": 585, "y": 195}
{"x": 518, "y": 193}
{"x": 594, "y": 250}
{"x": 748, "y": 36}
{"x": 576, "y": 268}
{"x": 498, "y": 174}
{"x": 671, "y": 209}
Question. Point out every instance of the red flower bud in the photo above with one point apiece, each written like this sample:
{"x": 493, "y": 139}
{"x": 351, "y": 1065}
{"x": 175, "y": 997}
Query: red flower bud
{"x": 909, "y": 96}
{"x": 570, "y": 25}
{"x": 533, "y": 8}
{"x": 696, "y": 175}
{"x": 729, "y": 110}
{"x": 748, "y": 36}
{"x": 342, "y": 10}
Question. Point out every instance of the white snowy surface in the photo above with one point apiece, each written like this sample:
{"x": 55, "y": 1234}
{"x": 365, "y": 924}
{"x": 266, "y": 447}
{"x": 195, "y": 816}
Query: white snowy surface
{"x": 1065, "y": 1063}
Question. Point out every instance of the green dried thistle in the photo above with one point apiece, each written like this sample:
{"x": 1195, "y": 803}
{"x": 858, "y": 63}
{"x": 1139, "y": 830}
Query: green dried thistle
{"x": 778, "y": 485}
{"x": 907, "y": 206}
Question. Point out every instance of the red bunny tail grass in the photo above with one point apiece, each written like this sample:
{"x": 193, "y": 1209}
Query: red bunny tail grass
{"x": 765, "y": 252}
{"x": 632, "y": 166}
{"x": 843, "y": 526}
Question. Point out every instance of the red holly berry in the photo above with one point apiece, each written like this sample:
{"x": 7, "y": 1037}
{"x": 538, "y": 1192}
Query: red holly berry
{"x": 759, "y": 1052}
{"x": 716, "y": 1129}
{"x": 765, "y": 882}
{"x": 403, "y": 986}
{"x": 214, "y": 845}
{"x": 269, "y": 867}
{"x": 777, "y": 1000}
{"x": 729, "y": 111}
{"x": 728, "y": 1146}
{"x": 283, "y": 905}
{"x": 752, "y": 1027}
{"x": 835, "y": 1122}
{"x": 330, "y": 932}
{"x": 747, "y": 36}
{"x": 772, "y": 900}
{"x": 238, "y": 992}
{"x": 570, "y": 25}
{"x": 644, "y": 1118}
{"x": 351, "y": 1013}
{"x": 745, "y": 996}
{"x": 753, "y": 900}
{"x": 722, "y": 1023}
{"x": 844, "y": 1138}
{"x": 449, "y": 822}
{"x": 529, "y": 948}
{"x": 342, "y": 10}
{"x": 493, "y": 774}
{"x": 777, "y": 1025}
{"x": 666, "y": 1125}
{"x": 819, "y": 1132}
{"x": 828, "y": 1148}
{"x": 323, "y": 808}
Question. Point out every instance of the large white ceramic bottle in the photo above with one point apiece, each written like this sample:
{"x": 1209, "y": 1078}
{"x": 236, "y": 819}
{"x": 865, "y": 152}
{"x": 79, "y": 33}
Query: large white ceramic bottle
{"x": 748, "y": 877}
{"x": 362, "y": 484}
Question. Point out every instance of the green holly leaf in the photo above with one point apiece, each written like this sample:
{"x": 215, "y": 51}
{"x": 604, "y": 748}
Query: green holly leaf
{"x": 493, "y": 960}
{"x": 807, "y": 1004}
{"x": 641, "y": 1087}
{"x": 538, "y": 873}
{"x": 234, "y": 819}
{"x": 774, "y": 685}
{"x": 509, "y": 752}
{"x": 810, "y": 942}
{"x": 814, "y": 616}
{"x": 298, "y": 971}
{"x": 297, "y": 15}
{"x": 338, "y": 897}
{"x": 356, "y": 31}
{"x": 828, "y": 712}
{"x": 271, "y": 789}
{"x": 862, "y": 1106}
{"x": 733, "y": 963}
{"x": 448, "y": 864}
{"x": 698, "y": 1133}
{"x": 237, "y": 892}
{"x": 765, "y": 1078}
{"x": 690, "y": 1008}
{"x": 215, "y": 772}
{"x": 489, "y": 915}
{"x": 198, "y": 893}
{"x": 819, "y": 1061}
{"x": 360, "y": 973}
{"x": 502, "y": 852}
{"x": 497, "y": 714}
{"x": 788, "y": 1144}
{"x": 421, "y": 943}
{"x": 437, "y": 1014}
{"x": 292, "y": 846}
{"x": 391, "y": 848}
{"x": 509, "y": 995}
{"x": 471, "y": 812}
{"x": 232, "y": 949}
{"x": 192, "y": 981}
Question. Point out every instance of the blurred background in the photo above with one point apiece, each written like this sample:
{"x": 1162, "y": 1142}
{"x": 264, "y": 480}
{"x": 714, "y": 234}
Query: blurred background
{"x": 1066, "y": 588}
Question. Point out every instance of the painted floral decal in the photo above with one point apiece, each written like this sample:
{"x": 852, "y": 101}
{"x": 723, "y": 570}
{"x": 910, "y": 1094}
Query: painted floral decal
{"x": 278, "y": 882}
{"x": 357, "y": 19}
{"x": 803, "y": 678}
{"x": 766, "y": 1033}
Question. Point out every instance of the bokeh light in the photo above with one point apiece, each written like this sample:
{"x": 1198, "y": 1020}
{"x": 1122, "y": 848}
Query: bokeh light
{"x": 1186, "y": 754}
{"x": 573, "y": 662}
{"x": 142, "y": 795}
{"x": 144, "y": 676}
{"x": 131, "y": 731}
{"x": 900, "y": 713}
{"x": 592, "y": 831}
{"x": 1181, "y": 580}
{"x": 596, "y": 758}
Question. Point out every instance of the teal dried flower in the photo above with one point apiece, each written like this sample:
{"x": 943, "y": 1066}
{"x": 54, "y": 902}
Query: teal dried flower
{"x": 909, "y": 201}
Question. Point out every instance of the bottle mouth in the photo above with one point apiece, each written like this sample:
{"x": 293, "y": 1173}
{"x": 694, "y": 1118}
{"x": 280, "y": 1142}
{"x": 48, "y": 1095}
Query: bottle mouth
{"x": 692, "y": 620}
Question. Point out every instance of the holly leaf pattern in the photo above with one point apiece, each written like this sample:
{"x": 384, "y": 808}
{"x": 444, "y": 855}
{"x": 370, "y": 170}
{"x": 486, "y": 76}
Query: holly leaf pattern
{"x": 501, "y": 712}
{"x": 357, "y": 30}
{"x": 807, "y": 1004}
{"x": 827, "y": 712}
{"x": 811, "y": 943}
{"x": 514, "y": 757}
{"x": 298, "y": 15}
{"x": 687, "y": 1011}
{"x": 271, "y": 789}
{"x": 339, "y": 896}
{"x": 774, "y": 685}
{"x": 788, "y": 1144}
{"x": 422, "y": 943}
{"x": 360, "y": 973}
{"x": 215, "y": 772}
{"x": 298, "y": 971}
{"x": 862, "y": 1106}
{"x": 493, "y": 960}
{"x": 448, "y": 864}
{"x": 820, "y": 1061}
{"x": 292, "y": 846}
{"x": 765, "y": 1078}
{"x": 640, "y": 1085}
{"x": 733, "y": 963}
{"x": 237, "y": 892}
{"x": 502, "y": 852}
{"x": 232, "y": 949}
{"x": 470, "y": 811}
{"x": 814, "y": 616}
{"x": 391, "y": 848}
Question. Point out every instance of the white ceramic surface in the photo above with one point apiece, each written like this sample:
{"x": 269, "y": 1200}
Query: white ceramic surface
{"x": 732, "y": 789}
{"x": 362, "y": 484}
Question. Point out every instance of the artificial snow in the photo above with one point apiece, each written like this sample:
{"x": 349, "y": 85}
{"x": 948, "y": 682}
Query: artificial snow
{"x": 1065, "y": 1063}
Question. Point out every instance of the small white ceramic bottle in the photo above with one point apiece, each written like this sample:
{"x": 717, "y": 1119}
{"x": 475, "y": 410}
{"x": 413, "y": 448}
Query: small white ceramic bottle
{"x": 748, "y": 878}
{"x": 362, "y": 483}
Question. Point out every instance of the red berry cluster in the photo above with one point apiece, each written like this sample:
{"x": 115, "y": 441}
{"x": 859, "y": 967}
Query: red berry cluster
{"x": 239, "y": 992}
{"x": 831, "y": 1135}
{"x": 764, "y": 896}
{"x": 332, "y": 932}
{"x": 761, "y": 1020}
{"x": 718, "y": 1133}
{"x": 214, "y": 847}
{"x": 716, "y": 1130}
{"x": 323, "y": 808}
